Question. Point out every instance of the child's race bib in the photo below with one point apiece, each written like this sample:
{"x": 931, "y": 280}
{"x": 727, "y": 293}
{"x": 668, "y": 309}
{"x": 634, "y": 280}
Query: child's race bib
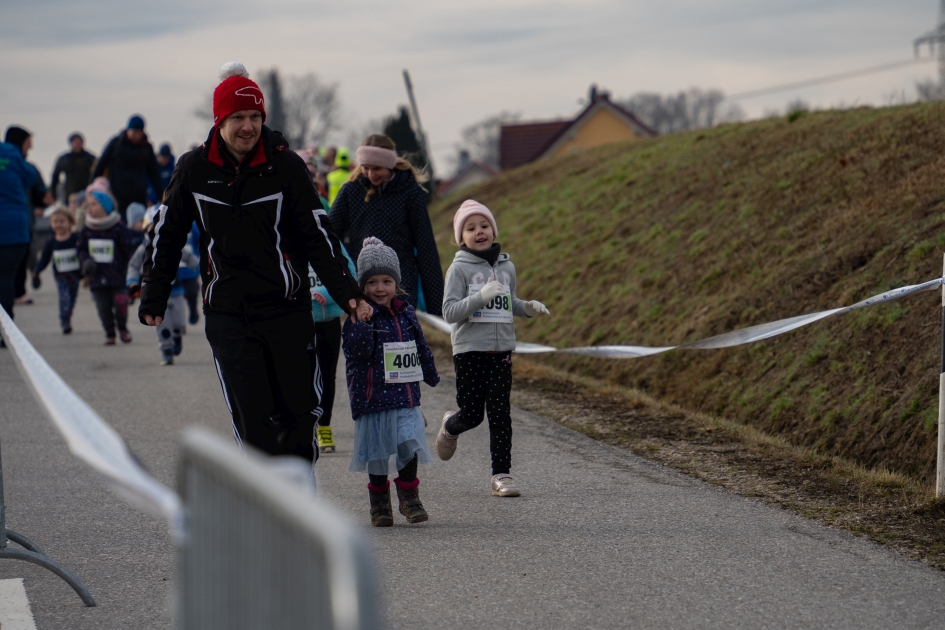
{"x": 498, "y": 311}
{"x": 66, "y": 260}
{"x": 102, "y": 250}
{"x": 402, "y": 363}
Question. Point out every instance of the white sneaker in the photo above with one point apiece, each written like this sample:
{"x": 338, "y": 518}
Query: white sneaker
{"x": 504, "y": 486}
{"x": 446, "y": 443}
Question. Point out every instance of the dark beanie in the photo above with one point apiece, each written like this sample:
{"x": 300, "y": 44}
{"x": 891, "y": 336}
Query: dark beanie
{"x": 16, "y": 136}
{"x": 165, "y": 150}
{"x": 136, "y": 122}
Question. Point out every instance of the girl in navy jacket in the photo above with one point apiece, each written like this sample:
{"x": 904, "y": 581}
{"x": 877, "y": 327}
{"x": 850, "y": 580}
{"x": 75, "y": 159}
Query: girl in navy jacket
{"x": 386, "y": 359}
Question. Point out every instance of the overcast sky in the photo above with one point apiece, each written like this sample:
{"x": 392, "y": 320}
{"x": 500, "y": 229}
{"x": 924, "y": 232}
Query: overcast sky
{"x": 88, "y": 65}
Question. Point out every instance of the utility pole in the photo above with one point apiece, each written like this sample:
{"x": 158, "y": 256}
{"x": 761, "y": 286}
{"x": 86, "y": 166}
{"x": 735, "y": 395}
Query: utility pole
{"x": 416, "y": 117}
{"x": 936, "y": 37}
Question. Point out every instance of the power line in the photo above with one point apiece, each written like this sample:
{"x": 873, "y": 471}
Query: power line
{"x": 827, "y": 79}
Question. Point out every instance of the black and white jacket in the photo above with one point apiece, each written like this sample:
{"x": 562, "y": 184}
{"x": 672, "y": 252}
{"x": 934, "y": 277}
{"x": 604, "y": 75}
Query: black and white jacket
{"x": 260, "y": 223}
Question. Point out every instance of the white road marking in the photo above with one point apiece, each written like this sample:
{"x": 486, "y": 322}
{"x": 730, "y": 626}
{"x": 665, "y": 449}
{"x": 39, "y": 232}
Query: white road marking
{"x": 14, "y": 606}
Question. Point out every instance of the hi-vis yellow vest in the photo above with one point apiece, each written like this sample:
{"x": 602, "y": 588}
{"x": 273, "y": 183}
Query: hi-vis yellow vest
{"x": 336, "y": 179}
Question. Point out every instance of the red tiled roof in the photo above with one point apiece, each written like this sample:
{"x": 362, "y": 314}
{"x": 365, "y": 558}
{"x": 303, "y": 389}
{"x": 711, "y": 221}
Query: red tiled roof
{"x": 520, "y": 144}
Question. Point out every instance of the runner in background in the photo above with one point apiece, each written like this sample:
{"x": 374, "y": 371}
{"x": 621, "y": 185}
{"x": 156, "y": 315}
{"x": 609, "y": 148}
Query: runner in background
{"x": 129, "y": 162}
{"x": 324, "y": 356}
{"x": 104, "y": 249}
{"x": 339, "y": 176}
{"x": 480, "y": 302}
{"x": 170, "y": 334}
{"x": 16, "y": 178}
{"x": 38, "y": 197}
{"x": 386, "y": 358}
{"x": 73, "y": 170}
{"x": 62, "y": 250}
{"x": 166, "y": 163}
{"x": 384, "y": 198}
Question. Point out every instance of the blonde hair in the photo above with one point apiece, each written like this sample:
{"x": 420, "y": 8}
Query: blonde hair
{"x": 61, "y": 211}
{"x": 384, "y": 142}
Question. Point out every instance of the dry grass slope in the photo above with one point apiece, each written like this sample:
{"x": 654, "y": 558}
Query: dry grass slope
{"x": 673, "y": 239}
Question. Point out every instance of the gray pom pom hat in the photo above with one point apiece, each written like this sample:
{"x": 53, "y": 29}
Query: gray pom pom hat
{"x": 376, "y": 259}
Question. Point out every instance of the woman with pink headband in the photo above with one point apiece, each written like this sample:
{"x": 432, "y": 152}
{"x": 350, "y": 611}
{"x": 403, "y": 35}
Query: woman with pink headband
{"x": 384, "y": 198}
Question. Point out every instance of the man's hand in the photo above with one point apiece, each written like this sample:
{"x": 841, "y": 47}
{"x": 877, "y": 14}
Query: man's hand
{"x": 360, "y": 310}
{"x": 152, "y": 320}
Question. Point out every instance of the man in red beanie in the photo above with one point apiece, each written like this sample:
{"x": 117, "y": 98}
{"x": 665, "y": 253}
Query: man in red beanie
{"x": 261, "y": 224}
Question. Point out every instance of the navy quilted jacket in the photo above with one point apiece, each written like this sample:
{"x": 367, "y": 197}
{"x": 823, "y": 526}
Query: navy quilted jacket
{"x": 363, "y": 345}
{"x": 398, "y": 216}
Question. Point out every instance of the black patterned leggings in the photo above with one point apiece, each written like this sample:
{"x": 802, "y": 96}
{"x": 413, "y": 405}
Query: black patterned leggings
{"x": 483, "y": 385}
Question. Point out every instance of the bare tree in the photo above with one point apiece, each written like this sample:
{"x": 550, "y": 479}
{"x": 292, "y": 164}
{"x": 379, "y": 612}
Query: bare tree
{"x": 930, "y": 91}
{"x": 311, "y": 111}
{"x": 692, "y": 109}
{"x": 480, "y": 140}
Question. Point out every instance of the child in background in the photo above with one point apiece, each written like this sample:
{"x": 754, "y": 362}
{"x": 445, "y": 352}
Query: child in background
{"x": 479, "y": 301}
{"x": 325, "y": 354}
{"x": 190, "y": 277}
{"x": 104, "y": 246}
{"x": 386, "y": 358}
{"x": 174, "y": 325}
{"x": 135, "y": 214}
{"x": 61, "y": 250}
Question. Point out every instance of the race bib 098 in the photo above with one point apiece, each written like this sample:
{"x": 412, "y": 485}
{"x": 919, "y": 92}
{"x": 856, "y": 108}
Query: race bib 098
{"x": 497, "y": 311}
{"x": 66, "y": 260}
{"x": 402, "y": 362}
{"x": 102, "y": 250}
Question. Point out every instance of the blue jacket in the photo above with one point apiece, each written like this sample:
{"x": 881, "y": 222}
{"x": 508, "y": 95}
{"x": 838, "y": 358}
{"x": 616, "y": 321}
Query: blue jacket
{"x": 363, "y": 345}
{"x": 326, "y": 308}
{"x": 186, "y": 273}
{"x": 16, "y": 178}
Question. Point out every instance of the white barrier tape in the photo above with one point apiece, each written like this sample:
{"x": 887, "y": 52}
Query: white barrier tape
{"x": 520, "y": 346}
{"x": 88, "y": 436}
{"x": 725, "y": 340}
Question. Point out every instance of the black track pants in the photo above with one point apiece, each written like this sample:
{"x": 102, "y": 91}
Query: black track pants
{"x": 267, "y": 380}
{"x": 484, "y": 384}
{"x": 325, "y": 365}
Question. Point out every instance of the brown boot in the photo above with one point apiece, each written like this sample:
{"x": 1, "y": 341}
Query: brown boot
{"x": 410, "y": 505}
{"x": 381, "y": 513}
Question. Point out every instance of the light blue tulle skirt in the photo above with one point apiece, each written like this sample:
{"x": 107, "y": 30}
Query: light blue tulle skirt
{"x": 388, "y": 438}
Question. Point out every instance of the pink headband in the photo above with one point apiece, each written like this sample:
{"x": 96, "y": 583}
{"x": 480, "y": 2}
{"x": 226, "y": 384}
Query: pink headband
{"x": 377, "y": 156}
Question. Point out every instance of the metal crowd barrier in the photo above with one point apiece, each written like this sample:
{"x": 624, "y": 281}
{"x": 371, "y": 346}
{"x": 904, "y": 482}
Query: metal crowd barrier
{"x": 260, "y": 552}
{"x": 255, "y": 550}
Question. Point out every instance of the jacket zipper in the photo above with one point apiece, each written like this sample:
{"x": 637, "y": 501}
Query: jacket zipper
{"x": 400, "y": 337}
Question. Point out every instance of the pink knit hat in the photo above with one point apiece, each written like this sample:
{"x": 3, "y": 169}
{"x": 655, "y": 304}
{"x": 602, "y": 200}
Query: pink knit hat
{"x": 377, "y": 156}
{"x": 468, "y": 209}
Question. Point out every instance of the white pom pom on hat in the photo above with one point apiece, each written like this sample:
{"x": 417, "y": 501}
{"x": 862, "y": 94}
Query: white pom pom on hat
{"x": 233, "y": 69}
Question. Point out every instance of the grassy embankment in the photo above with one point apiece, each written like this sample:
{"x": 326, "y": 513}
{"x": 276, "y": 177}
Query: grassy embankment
{"x": 673, "y": 239}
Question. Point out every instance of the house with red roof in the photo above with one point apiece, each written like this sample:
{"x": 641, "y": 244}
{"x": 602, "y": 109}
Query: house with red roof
{"x": 600, "y": 122}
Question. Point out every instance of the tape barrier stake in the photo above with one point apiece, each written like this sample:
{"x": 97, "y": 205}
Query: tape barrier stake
{"x": 940, "y": 467}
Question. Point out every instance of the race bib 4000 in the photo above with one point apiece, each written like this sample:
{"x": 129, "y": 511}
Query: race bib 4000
{"x": 497, "y": 311}
{"x": 402, "y": 362}
{"x": 102, "y": 250}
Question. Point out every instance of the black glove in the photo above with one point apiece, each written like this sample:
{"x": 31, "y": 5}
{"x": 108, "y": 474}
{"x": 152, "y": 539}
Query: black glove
{"x": 36, "y": 281}
{"x": 89, "y": 267}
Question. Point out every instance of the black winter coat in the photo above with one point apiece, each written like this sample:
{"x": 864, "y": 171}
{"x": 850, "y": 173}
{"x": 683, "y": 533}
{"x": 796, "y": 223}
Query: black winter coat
{"x": 131, "y": 166}
{"x": 260, "y": 223}
{"x": 398, "y": 216}
{"x": 78, "y": 170}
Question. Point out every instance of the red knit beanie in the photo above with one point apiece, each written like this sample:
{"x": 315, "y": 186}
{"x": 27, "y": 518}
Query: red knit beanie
{"x": 236, "y": 92}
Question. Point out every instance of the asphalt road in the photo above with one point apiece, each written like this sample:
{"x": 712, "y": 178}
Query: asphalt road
{"x": 600, "y": 538}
